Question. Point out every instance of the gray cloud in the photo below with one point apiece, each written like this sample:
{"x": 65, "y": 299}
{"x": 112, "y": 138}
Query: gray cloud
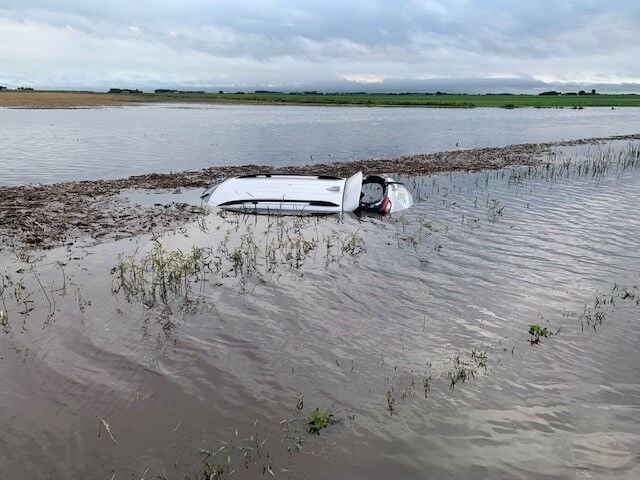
{"x": 350, "y": 44}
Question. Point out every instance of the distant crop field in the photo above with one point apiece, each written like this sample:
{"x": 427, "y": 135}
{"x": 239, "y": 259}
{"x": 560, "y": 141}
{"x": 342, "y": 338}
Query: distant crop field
{"x": 42, "y": 99}
{"x": 70, "y": 99}
{"x": 444, "y": 101}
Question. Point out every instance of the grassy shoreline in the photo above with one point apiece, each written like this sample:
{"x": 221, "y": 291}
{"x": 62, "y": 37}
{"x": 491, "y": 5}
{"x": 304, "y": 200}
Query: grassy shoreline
{"x": 77, "y": 99}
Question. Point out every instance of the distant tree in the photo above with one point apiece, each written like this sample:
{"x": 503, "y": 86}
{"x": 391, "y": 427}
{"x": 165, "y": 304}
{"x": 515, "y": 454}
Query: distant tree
{"x": 2, "y": 87}
{"x": 582, "y": 92}
{"x": 550, "y": 92}
{"x": 124, "y": 90}
{"x": 220, "y": 91}
{"x": 593, "y": 91}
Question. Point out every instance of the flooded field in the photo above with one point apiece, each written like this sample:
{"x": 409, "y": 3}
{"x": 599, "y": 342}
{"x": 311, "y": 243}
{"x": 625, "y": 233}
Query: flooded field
{"x": 46, "y": 146}
{"x": 489, "y": 331}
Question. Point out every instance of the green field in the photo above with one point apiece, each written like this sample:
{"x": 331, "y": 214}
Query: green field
{"x": 420, "y": 100}
{"x": 71, "y": 99}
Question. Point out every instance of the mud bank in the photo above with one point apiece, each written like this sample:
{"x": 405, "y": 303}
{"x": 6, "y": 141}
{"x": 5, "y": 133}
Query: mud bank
{"x": 44, "y": 216}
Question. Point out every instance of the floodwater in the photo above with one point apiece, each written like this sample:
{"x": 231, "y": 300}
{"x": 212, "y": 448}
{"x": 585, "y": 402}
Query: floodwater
{"x": 369, "y": 318}
{"x": 46, "y": 146}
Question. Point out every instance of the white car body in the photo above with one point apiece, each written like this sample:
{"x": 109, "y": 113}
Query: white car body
{"x": 300, "y": 194}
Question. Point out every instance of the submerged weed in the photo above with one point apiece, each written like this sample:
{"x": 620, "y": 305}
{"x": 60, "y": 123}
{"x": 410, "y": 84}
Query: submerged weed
{"x": 465, "y": 367}
{"x": 160, "y": 273}
{"x": 412, "y": 233}
{"x": 4, "y": 321}
{"x": 391, "y": 402}
{"x": 426, "y": 383}
{"x": 25, "y": 290}
{"x": 318, "y": 420}
{"x": 460, "y": 373}
{"x": 593, "y": 316}
{"x": 537, "y": 332}
{"x": 222, "y": 462}
{"x": 494, "y": 209}
{"x": 479, "y": 357}
{"x": 595, "y": 165}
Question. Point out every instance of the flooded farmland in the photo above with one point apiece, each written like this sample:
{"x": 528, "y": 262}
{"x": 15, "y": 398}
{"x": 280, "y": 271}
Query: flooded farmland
{"x": 47, "y": 146}
{"x": 489, "y": 331}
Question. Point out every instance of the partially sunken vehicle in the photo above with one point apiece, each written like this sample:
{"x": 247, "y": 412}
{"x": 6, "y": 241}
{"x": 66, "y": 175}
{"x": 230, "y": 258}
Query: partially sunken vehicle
{"x": 309, "y": 194}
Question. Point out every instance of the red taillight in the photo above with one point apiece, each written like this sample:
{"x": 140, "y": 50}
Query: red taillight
{"x": 385, "y": 206}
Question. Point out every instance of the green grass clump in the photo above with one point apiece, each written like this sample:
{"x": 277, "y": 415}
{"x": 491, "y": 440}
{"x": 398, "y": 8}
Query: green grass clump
{"x": 318, "y": 420}
{"x": 537, "y": 332}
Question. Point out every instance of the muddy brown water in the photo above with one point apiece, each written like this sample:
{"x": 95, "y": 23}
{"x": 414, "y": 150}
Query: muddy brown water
{"x": 356, "y": 316}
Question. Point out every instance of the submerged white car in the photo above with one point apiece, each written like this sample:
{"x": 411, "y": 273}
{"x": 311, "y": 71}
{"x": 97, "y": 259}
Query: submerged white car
{"x": 309, "y": 194}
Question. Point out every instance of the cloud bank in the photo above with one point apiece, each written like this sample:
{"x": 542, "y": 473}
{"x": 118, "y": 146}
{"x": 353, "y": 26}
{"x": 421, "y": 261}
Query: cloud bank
{"x": 369, "y": 45}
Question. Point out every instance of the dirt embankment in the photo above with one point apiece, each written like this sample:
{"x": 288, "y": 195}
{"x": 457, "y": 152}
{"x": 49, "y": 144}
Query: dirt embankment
{"x": 44, "y": 216}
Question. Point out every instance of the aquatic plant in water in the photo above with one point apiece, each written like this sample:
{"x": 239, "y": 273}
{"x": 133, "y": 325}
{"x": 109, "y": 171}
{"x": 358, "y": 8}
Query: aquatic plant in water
{"x": 160, "y": 273}
{"x": 222, "y": 462}
{"x": 594, "y": 165}
{"x": 288, "y": 244}
{"x": 318, "y": 420}
{"x": 24, "y": 290}
{"x": 420, "y": 229}
{"x": 391, "y": 402}
{"x": 537, "y": 332}
{"x": 465, "y": 367}
{"x": 593, "y": 316}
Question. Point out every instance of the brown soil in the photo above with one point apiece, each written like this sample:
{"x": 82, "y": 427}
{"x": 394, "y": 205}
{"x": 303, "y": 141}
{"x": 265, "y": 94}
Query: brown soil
{"x": 61, "y": 100}
{"x": 75, "y": 100}
{"x": 44, "y": 216}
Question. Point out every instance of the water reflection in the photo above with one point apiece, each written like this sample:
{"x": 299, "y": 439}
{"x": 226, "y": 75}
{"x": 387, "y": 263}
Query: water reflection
{"x": 420, "y": 346}
{"x": 53, "y": 145}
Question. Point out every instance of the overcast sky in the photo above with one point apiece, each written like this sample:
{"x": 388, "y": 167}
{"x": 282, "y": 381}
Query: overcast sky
{"x": 327, "y": 44}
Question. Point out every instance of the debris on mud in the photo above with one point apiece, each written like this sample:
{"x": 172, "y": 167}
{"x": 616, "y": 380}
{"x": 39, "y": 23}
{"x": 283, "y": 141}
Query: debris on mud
{"x": 44, "y": 216}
